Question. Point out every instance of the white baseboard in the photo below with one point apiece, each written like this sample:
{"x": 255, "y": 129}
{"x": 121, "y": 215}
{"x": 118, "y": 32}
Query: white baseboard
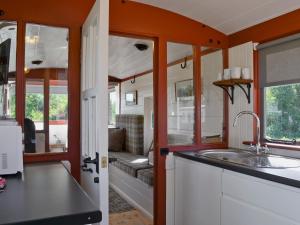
{"x": 131, "y": 201}
{"x": 135, "y": 191}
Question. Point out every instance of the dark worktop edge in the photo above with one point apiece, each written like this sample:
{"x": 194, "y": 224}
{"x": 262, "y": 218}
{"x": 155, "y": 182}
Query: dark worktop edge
{"x": 95, "y": 217}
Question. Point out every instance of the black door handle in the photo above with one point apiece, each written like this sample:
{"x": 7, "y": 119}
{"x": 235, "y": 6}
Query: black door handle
{"x": 93, "y": 161}
{"x": 87, "y": 170}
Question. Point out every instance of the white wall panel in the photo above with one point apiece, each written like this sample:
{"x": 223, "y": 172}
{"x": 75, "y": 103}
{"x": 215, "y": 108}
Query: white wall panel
{"x": 241, "y": 56}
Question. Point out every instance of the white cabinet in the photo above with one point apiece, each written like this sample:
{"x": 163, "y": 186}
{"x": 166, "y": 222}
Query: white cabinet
{"x": 249, "y": 200}
{"x": 197, "y": 193}
{"x": 236, "y": 212}
{"x": 208, "y": 195}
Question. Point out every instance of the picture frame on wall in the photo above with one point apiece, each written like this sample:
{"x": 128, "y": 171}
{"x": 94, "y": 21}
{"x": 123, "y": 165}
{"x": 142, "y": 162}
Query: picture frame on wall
{"x": 131, "y": 98}
{"x": 184, "y": 88}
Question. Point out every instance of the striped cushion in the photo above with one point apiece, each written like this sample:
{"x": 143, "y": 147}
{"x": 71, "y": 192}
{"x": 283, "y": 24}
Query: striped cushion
{"x": 146, "y": 176}
{"x": 134, "y": 137}
{"x": 129, "y": 163}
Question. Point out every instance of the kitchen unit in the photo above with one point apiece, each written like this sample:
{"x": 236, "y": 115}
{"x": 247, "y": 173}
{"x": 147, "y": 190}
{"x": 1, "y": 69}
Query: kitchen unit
{"x": 216, "y": 192}
{"x": 46, "y": 194}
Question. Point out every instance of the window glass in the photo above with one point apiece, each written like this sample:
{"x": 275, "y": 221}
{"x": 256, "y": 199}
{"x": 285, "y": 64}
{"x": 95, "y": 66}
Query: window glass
{"x": 58, "y": 115}
{"x": 46, "y": 72}
{"x": 181, "y": 100}
{"x": 34, "y": 108}
{"x": 113, "y": 103}
{"x": 212, "y": 105}
{"x": 282, "y": 112}
{"x": 8, "y": 43}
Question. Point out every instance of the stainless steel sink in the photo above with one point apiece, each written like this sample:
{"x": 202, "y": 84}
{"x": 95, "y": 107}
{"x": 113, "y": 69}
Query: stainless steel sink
{"x": 272, "y": 161}
{"x": 250, "y": 159}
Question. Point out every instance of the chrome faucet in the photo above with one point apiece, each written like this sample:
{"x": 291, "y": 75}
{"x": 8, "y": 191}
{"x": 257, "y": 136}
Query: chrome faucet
{"x": 259, "y": 149}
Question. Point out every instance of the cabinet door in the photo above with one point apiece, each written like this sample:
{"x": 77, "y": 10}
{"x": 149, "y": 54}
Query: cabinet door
{"x": 237, "y": 212}
{"x": 249, "y": 200}
{"x": 197, "y": 193}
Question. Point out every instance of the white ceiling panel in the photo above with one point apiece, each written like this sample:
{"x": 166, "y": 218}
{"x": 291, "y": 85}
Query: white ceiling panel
{"x": 227, "y": 16}
{"x": 126, "y": 60}
{"x": 48, "y": 44}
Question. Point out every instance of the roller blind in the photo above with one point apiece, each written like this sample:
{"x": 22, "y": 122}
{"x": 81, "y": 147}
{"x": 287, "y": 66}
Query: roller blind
{"x": 280, "y": 63}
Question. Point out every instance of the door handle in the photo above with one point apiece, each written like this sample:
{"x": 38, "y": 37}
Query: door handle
{"x": 84, "y": 169}
{"x": 93, "y": 161}
{"x": 96, "y": 180}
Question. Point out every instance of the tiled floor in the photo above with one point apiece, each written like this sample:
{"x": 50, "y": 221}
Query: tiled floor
{"x": 133, "y": 217}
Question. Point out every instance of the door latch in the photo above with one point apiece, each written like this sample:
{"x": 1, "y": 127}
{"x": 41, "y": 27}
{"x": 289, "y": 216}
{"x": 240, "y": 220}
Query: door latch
{"x": 93, "y": 161}
{"x": 104, "y": 162}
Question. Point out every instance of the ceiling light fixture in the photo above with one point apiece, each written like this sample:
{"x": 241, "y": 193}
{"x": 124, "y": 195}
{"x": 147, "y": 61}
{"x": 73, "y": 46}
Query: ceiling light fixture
{"x": 37, "y": 62}
{"x": 32, "y": 40}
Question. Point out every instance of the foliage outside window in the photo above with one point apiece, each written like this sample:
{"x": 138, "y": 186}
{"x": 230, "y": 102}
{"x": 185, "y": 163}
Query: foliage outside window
{"x": 112, "y": 107}
{"x": 35, "y": 106}
{"x": 282, "y": 112}
{"x": 58, "y": 108}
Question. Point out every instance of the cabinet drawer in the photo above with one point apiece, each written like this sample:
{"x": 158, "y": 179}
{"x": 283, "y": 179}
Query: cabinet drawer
{"x": 270, "y": 196}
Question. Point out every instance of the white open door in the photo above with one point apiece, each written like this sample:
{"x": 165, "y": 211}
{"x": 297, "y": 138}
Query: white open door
{"x": 94, "y": 106}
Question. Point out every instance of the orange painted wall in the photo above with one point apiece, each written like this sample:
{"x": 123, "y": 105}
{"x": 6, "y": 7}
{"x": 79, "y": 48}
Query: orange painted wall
{"x": 65, "y": 13}
{"x": 281, "y": 26}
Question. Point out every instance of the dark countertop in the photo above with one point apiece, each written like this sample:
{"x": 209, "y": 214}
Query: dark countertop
{"x": 289, "y": 176}
{"x": 46, "y": 195}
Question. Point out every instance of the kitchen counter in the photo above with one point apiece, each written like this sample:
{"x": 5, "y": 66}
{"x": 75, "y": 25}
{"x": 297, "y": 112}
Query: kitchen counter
{"x": 46, "y": 194}
{"x": 289, "y": 176}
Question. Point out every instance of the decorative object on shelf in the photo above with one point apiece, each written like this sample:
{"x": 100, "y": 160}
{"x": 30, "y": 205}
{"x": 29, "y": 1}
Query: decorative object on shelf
{"x": 184, "y": 88}
{"x": 228, "y": 87}
{"x": 131, "y": 98}
{"x": 220, "y": 76}
{"x": 226, "y": 74}
{"x": 246, "y": 73}
{"x": 236, "y": 73}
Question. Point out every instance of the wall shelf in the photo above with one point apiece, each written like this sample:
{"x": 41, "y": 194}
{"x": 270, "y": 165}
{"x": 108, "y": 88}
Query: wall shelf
{"x": 229, "y": 85}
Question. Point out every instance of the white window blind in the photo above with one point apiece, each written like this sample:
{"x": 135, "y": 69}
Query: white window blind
{"x": 280, "y": 63}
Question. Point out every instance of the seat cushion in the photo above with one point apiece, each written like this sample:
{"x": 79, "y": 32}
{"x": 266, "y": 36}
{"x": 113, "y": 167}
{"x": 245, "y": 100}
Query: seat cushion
{"x": 146, "y": 175}
{"x": 116, "y": 139}
{"x": 128, "y": 162}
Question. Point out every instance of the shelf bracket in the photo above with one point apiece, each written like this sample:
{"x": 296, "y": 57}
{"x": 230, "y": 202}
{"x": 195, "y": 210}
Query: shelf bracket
{"x": 230, "y": 95}
{"x": 246, "y": 92}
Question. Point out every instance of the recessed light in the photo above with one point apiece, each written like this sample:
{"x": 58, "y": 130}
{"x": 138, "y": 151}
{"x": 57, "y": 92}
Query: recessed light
{"x": 141, "y": 46}
{"x": 37, "y": 62}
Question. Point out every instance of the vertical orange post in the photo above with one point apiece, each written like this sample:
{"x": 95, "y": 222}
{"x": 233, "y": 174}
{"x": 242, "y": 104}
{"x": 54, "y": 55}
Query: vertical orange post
{"x": 160, "y": 129}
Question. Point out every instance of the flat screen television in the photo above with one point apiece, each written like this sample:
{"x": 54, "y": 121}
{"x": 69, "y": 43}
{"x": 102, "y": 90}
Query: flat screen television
{"x": 4, "y": 61}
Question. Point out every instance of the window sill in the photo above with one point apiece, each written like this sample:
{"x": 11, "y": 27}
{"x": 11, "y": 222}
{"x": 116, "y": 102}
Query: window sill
{"x": 278, "y": 146}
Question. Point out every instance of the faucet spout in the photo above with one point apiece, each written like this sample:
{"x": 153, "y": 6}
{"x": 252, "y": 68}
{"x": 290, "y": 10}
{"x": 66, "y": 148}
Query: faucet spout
{"x": 258, "y": 145}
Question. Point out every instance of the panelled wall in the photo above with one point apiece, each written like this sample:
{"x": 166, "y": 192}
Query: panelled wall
{"x": 241, "y": 56}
